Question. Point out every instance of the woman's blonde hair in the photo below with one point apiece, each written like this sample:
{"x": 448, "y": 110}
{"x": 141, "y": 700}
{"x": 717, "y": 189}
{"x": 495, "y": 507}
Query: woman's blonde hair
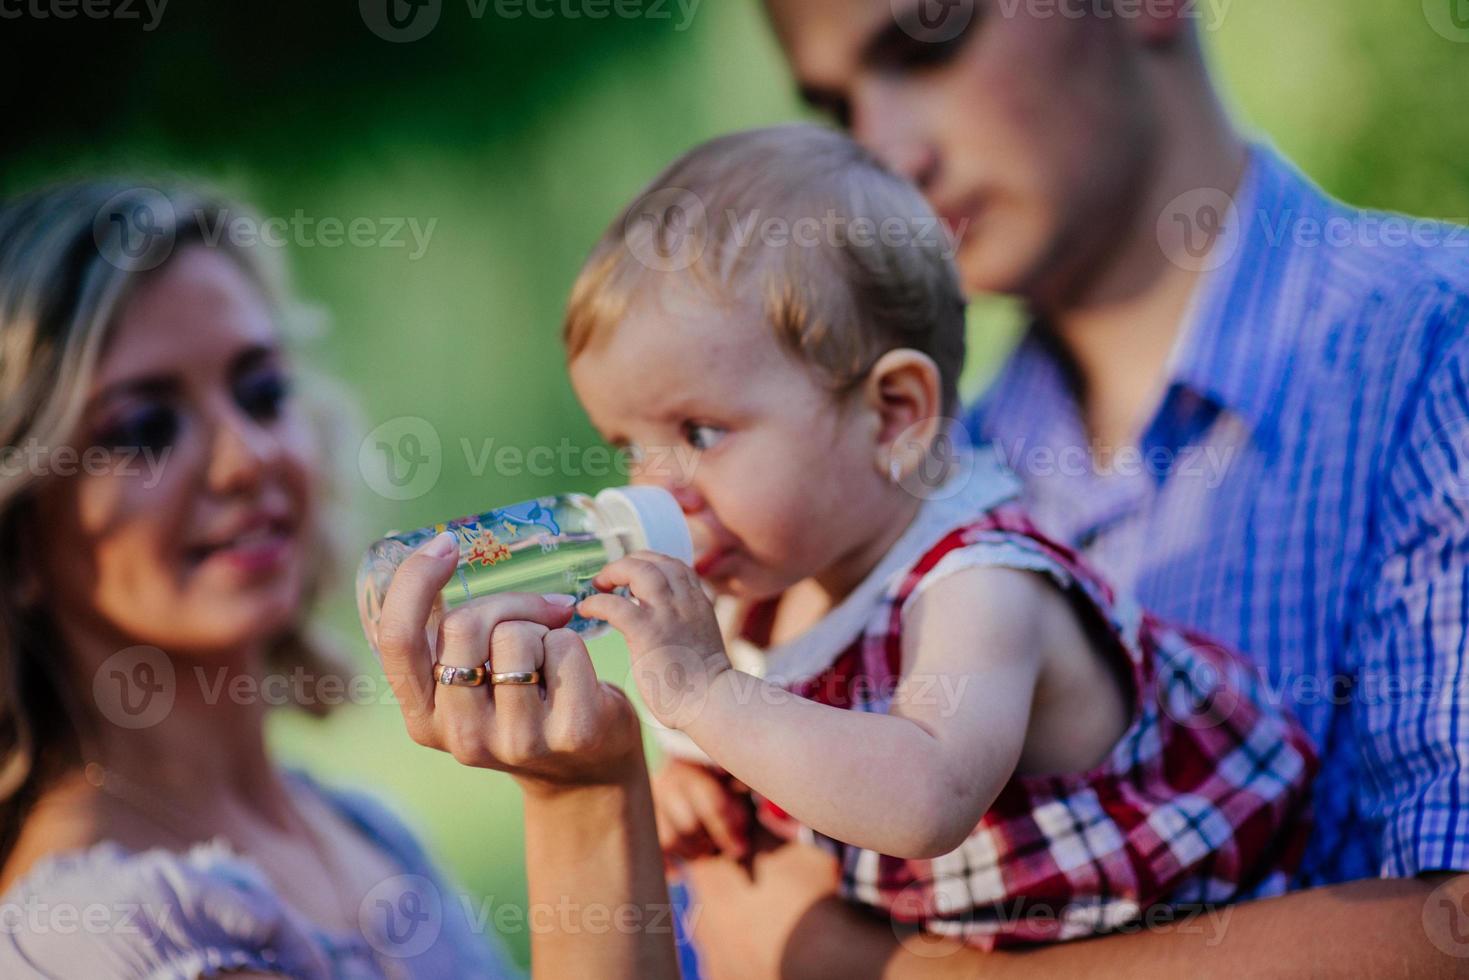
{"x": 843, "y": 258}
{"x": 70, "y": 258}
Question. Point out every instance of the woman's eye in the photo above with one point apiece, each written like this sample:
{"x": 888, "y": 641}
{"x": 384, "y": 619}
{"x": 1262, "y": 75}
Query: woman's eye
{"x": 261, "y": 395}
{"x": 702, "y": 437}
{"x": 152, "y": 428}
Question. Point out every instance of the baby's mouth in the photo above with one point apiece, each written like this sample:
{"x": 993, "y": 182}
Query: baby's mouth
{"x": 713, "y": 560}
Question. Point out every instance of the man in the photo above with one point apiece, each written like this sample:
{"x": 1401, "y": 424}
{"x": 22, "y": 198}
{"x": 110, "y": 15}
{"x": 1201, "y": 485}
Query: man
{"x": 1246, "y": 401}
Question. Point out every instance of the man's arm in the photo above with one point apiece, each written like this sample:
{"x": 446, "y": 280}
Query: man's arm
{"x": 1411, "y": 700}
{"x": 780, "y": 919}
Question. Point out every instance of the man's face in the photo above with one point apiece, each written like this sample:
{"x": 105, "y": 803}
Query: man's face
{"x": 1029, "y": 130}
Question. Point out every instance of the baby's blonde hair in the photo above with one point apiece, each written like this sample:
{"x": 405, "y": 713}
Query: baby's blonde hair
{"x": 842, "y": 257}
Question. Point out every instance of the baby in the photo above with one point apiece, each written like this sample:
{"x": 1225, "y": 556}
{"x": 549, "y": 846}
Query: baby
{"x": 898, "y": 664}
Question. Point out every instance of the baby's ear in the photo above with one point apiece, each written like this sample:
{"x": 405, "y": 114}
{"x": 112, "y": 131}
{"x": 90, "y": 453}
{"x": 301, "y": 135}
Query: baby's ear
{"x": 903, "y": 389}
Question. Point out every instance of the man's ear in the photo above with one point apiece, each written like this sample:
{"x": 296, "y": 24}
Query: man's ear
{"x": 1160, "y": 23}
{"x": 904, "y": 391}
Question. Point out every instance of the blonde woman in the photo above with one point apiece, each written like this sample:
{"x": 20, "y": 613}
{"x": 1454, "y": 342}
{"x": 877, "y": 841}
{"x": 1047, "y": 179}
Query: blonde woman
{"x": 161, "y": 503}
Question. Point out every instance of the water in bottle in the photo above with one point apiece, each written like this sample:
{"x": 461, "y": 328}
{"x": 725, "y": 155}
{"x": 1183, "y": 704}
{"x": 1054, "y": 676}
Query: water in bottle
{"x": 550, "y": 545}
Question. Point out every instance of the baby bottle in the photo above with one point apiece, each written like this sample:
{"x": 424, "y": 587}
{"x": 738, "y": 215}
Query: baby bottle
{"x": 549, "y": 545}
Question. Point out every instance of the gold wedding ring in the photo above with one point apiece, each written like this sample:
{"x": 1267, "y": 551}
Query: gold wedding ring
{"x": 516, "y": 678}
{"x": 459, "y": 676}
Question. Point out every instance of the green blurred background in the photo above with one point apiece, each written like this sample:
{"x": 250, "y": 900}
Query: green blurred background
{"x": 521, "y": 138}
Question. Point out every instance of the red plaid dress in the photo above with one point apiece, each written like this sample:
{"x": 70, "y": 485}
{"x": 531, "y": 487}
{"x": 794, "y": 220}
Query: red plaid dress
{"x": 1203, "y": 800}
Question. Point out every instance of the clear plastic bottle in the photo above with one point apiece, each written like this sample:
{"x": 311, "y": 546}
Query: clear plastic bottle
{"x": 549, "y": 545}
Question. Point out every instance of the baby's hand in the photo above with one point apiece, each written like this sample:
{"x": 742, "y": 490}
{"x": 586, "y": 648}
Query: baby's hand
{"x": 696, "y": 814}
{"x": 671, "y": 632}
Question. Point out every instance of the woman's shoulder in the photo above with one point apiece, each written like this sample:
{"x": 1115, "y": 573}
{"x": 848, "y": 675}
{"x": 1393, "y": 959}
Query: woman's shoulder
{"x": 105, "y": 910}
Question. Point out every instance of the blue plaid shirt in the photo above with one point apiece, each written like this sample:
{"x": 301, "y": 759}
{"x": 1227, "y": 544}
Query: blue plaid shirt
{"x": 1302, "y": 493}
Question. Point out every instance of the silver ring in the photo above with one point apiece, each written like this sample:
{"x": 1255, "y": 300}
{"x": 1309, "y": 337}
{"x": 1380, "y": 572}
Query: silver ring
{"x": 516, "y": 678}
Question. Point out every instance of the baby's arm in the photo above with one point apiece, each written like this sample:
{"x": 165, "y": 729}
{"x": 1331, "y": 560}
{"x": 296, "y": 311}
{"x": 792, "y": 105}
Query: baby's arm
{"x": 911, "y": 783}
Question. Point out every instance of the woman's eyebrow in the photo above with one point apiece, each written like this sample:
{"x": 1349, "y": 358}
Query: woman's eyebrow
{"x": 149, "y": 384}
{"x": 253, "y": 355}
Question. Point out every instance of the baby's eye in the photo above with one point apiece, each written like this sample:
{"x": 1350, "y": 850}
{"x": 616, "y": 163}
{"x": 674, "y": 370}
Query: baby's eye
{"x": 702, "y": 437}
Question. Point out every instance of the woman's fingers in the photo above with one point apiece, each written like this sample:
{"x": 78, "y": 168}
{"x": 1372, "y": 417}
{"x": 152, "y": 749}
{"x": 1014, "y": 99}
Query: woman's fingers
{"x": 402, "y": 632}
{"x": 464, "y": 634}
{"x": 573, "y": 692}
{"x": 518, "y": 648}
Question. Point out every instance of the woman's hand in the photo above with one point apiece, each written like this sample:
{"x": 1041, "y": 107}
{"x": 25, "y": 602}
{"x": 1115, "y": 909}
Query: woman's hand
{"x": 572, "y": 730}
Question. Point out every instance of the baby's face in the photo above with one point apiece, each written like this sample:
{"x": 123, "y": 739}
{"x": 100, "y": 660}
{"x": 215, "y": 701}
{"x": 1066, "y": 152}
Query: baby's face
{"x": 777, "y": 478}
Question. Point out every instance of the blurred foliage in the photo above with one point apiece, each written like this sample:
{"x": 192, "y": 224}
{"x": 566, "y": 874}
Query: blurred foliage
{"x": 521, "y": 138}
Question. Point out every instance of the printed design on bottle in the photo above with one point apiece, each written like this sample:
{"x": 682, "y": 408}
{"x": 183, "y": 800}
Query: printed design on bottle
{"x": 478, "y": 542}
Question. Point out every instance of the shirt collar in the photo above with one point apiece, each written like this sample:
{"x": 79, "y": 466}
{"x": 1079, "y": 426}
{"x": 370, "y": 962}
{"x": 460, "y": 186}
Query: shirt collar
{"x": 1239, "y": 336}
{"x": 979, "y": 482}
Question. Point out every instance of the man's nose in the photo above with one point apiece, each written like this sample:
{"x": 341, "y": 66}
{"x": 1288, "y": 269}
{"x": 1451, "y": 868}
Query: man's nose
{"x": 886, "y": 126}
